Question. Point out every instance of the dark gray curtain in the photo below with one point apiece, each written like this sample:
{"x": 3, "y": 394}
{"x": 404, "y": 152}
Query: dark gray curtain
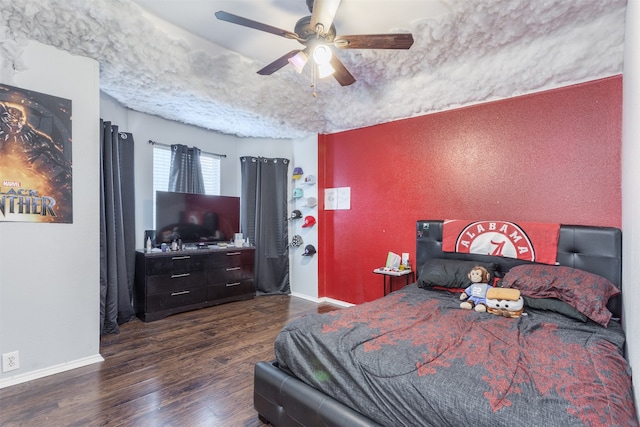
{"x": 185, "y": 173}
{"x": 263, "y": 219}
{"x": 117, "y": 228}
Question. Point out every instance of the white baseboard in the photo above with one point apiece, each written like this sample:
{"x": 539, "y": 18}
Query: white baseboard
{"x": 336, "y": 302}
{"x": 41, "y": 373}
{"x": 303, "y": 296}
{"x": 321, "y": 300}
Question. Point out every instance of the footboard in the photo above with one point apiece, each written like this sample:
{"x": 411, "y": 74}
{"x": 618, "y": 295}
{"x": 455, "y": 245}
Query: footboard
{"x": 283, "y": 400}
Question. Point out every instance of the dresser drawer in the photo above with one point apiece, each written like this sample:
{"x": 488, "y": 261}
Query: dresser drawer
{"x": 230, "y": 289}
{"x": 175, "y": 299}
{"x": 229, "y": 274}
{"x": 231, "y": 258}
{"x": 178, "y": 263}
{"x": 176, "y": 282}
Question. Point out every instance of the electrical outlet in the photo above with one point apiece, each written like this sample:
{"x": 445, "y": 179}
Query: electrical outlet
{"x": 10, "y": 361}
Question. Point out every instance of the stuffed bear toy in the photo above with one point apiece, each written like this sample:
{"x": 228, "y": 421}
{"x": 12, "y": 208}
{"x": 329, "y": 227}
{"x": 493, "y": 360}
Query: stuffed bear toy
{"x": 475, "y": 295}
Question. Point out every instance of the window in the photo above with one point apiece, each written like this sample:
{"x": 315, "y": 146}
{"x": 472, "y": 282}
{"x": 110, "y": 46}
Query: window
{"x": 162, "y": 161}
{"x": 210, "y": 173}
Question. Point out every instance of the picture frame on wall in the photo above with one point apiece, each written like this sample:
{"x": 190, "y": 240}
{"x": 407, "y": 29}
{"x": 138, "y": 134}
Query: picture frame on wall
{"x": 35, "y": 157}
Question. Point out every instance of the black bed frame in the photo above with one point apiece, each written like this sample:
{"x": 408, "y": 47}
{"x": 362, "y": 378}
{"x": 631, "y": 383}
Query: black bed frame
{"x": 283, "y": 400}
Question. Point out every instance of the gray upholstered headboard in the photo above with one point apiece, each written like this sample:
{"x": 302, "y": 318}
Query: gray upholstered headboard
{"x": 597, "y": 250}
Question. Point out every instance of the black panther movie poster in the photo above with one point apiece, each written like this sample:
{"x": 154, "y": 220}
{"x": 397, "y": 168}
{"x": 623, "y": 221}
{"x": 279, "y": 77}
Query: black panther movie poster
{"x": 35, "y": 157}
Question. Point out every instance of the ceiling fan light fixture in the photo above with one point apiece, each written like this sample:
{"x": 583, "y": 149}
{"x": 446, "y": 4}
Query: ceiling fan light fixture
{"x": 325, "y": 70}
{"x": 322, "y": 54}
{"x": 318, "y": 35}
{"x": 298, "y": 61}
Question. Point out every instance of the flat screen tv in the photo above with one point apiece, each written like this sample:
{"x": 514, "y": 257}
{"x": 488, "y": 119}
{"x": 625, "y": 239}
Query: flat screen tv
{"x": 196, "y": 218}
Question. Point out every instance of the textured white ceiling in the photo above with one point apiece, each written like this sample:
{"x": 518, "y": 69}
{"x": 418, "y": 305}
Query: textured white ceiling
{"x": 465, "y": 52}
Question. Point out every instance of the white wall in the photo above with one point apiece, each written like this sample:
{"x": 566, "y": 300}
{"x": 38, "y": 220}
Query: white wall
{"x": 631, "y": 190}
{"x": 49, "y": 273}
{"x": 304, "y": 269}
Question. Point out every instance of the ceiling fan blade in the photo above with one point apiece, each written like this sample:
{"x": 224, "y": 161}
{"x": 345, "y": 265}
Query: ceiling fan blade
{"x": 342, "y": 75}
{"x": 322, "y": 15}
{"x": 277, "y": 64}
{"x": 375, "y": 41}
{"x": 239, "y": 20}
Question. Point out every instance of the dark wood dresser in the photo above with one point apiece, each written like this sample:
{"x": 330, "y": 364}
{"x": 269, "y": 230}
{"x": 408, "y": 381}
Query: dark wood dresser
{"x": 172, "y": 282}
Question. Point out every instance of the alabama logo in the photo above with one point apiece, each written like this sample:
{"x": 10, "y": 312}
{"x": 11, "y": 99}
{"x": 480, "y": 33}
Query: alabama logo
{"x": 498, "y": 238}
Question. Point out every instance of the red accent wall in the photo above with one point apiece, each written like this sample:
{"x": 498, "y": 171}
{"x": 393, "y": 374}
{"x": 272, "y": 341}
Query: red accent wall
{"x": 547, "y": 157}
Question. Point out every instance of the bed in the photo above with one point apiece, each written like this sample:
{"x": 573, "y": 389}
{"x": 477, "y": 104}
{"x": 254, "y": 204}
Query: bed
{"x": 414, "y": 357}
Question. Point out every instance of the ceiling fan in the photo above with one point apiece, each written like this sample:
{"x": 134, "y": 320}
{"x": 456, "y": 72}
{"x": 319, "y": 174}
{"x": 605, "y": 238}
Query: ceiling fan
{"x": 318, "y": 34}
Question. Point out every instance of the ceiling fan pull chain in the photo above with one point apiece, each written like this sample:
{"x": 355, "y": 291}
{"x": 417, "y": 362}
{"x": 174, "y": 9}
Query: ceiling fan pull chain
{"x": 313, "y": 79}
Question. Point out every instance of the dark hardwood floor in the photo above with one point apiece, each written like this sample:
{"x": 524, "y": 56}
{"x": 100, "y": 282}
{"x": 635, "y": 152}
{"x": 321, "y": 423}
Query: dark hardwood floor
{"x": 190, "y": 369}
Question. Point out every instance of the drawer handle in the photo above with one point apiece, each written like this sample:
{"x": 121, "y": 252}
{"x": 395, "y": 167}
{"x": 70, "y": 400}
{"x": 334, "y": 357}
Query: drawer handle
{"x": 182, "y": 257}
{"x": 177, "y": 276}
{"x": 233, "y": 269}
{"x": 173, "y": 294}
{"x": 233, "y": 253}
{"x": 232, "y": 284}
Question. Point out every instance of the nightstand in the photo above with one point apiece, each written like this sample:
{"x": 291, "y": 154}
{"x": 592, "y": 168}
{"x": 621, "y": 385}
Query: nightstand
{"x": 388, "y": 275}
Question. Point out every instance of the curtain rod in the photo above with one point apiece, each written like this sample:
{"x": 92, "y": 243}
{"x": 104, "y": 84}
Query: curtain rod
{"x": 224, "y": 156}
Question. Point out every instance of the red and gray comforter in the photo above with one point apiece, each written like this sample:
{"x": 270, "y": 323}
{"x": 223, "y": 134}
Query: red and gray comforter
{"x": 414, "y": 358}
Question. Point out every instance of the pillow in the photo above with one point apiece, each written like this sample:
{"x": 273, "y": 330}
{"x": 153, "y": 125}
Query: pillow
{"x": 553, "y": 304}
{"x": 586, "y": 292}
{"x": 452, "y": 290}
{"x": 450, "y": 273}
